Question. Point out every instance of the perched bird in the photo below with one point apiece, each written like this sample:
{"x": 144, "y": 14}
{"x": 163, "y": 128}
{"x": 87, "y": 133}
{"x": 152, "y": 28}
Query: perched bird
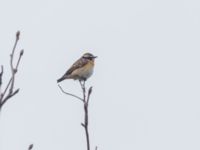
{"x": 81, "y": 70}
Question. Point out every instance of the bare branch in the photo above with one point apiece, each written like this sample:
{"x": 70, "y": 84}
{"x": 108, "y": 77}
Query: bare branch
{"x": 8, "y": 97}
{"x": 7, "y": 86}
{"x": 69, "y": 93}
{"x": 13, "y": 70}
{"x": 10, "y": 85}
{"x": 18, "y": 61}
{"x": 96, "y": 148}
{"x": 85, "y": 100}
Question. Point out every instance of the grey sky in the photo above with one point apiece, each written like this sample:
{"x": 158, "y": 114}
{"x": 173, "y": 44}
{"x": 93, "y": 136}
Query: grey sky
{"x": 146, "y": 80}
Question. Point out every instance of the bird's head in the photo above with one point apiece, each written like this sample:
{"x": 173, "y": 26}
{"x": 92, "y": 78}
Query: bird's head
{"x": 89, "y": 56}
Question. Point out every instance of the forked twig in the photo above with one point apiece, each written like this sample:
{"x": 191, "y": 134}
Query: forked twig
{"x": 85, "y": 100}
{"x": 5, "y": 96}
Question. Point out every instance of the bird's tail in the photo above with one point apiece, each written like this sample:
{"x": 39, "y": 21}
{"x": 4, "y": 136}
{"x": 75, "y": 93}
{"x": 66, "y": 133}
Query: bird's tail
{"x": 61, "y": 79}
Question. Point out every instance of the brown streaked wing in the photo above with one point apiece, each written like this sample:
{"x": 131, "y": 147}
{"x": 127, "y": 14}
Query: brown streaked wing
{"x": 78, "y": 64}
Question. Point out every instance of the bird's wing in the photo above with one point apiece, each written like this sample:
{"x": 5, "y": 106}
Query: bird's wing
{"x": 78, "y": 64}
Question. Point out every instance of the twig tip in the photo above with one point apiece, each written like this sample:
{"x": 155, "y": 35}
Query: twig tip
{"x": 17, "y": 35}
{"x": 21, "y": 52}
{"x": 82, "y": 124}
{"x": 90, "y": 90}
{"x": 30, "y": 147}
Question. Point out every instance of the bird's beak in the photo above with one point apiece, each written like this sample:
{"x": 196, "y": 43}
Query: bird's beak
{"x": 94, "y": 56}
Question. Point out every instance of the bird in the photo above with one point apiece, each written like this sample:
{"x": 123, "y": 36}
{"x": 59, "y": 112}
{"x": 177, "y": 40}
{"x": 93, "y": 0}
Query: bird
{"x": 81, "y": 70}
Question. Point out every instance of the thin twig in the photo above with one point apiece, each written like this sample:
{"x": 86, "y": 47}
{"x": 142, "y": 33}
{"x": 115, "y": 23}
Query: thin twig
{"x": 13, "y": 70}
{"x": 10, "y": 85}
{"x": 69, "y": 93}
{"x": 5, "y": 90}
{"x": 8, "y": 97}
{"x": 11, "y": 81}
{"x": 89, "y": 93}
{"x": 18, "y": 61}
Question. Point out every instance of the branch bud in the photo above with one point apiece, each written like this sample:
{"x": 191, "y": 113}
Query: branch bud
{"x": 83, "y": 125}
{"x": 90, "y": 90}
{"x": 30, "y": 147}
{"x": 1, "y": 74}
{"x": 21, "y": 52}
{"x": 1, "y": 69}
{"x": 17, "y": 35}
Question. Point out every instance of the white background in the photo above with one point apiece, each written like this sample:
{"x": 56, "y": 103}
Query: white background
{"x": 146, "y": 81}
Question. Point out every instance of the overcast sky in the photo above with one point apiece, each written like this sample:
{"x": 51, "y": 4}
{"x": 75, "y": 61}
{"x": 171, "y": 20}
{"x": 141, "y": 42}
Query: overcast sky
{"x": 146, "y": 84}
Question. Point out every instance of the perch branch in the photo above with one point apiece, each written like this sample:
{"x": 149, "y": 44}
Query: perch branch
{"x": 85, "y": 101}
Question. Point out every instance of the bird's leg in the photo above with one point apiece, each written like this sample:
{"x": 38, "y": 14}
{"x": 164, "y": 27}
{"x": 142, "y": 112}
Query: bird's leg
{"x": 81, "y": 83}
{"x": 84, "y": 83}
